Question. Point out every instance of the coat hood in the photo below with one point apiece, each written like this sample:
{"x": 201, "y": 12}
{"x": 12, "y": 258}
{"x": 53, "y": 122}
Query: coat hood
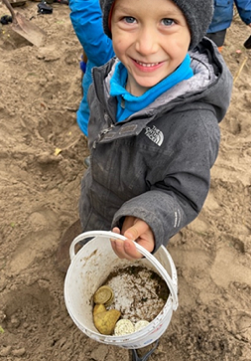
{"x": 211, "y": 84}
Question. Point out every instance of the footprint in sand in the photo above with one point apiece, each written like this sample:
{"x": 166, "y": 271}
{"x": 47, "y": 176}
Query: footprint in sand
{"x": 27, "y": 312}
{"x": 43, "y": 237}
{"x": 228, "y": 266}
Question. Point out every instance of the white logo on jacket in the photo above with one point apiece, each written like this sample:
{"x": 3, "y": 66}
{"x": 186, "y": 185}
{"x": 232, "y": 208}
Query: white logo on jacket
{"x": 155, "y": 135}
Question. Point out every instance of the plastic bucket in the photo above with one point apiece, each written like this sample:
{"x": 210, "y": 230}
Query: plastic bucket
{"x": 91, "y": 266}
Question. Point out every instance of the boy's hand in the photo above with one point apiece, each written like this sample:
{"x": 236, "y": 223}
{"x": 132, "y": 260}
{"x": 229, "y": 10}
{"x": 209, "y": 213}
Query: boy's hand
{"x": 134, "y": 229}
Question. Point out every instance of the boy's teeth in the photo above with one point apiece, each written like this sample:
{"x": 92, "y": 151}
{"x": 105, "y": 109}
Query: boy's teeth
{"x": 148, "y": 65}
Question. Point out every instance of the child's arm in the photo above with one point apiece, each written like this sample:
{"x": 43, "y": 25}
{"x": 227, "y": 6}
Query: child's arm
{"x": 133, "y": 229}
{"x": 86, "y": 18}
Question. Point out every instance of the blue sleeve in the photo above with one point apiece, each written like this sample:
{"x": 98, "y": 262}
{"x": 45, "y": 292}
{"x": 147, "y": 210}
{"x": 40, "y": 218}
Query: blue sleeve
{"x": 86, "y": 18}
{"x": 244, "y": 10}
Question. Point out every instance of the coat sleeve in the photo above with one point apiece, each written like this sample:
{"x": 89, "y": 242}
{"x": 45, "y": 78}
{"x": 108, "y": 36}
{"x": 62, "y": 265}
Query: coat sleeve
{"x": 86, "y": 18}
{"x": 244, "y": 10}
{"x": 177, "y": 197}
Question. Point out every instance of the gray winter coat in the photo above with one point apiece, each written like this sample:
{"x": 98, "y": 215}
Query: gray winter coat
{"x": 156, "y": 164}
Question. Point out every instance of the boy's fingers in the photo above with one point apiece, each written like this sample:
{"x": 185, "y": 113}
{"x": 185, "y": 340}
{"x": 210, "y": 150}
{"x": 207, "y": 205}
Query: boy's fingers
{"x": 127, "y": 249}
{"x": 118, "y": 247}
{"x": 115, "y": 230}
{"x": 131, "y": 250}
{"x": 136, "y": 230}
{"x": 139, "y": 233}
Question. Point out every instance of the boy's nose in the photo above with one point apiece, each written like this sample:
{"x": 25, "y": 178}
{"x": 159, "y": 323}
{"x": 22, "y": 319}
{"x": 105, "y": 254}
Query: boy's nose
{"x": 146, "y": 42}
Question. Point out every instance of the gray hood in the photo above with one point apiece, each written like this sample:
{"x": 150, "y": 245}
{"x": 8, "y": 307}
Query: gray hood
{"x": 211, "y": 83}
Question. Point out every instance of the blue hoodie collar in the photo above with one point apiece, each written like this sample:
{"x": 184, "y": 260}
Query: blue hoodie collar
{"x": 128, "y": 104}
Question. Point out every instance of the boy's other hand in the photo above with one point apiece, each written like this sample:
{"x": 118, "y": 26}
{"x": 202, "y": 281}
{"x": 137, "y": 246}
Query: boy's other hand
{"x": 134, "y": 229}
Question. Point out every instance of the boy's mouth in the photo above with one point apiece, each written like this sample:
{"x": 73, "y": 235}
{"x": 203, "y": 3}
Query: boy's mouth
{"x": 147, "y": 65}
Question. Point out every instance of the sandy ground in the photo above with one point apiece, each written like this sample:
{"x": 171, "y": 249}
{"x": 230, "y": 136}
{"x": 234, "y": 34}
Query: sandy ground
{"x": 40, "y": 91}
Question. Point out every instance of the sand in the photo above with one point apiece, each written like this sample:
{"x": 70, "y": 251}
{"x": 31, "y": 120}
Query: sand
{"x": 41, "y": 165}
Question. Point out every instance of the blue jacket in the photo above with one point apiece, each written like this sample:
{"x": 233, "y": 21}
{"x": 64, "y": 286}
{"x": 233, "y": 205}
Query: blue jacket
{"x": 86, "y": 18}
{"x": 223, "y": 14}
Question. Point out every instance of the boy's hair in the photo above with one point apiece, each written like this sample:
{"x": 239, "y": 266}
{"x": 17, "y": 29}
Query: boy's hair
{"x": 198, "y": 14}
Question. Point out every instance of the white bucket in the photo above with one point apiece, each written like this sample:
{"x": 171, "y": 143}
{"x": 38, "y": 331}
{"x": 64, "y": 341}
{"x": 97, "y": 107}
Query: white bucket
{"x": 91, "y": 266}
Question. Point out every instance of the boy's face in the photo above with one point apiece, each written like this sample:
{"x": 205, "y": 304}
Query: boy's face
{"x": 151, "y": 38}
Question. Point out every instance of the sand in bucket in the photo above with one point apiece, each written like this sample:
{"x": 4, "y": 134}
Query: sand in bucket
{"x": 90, "y": 268}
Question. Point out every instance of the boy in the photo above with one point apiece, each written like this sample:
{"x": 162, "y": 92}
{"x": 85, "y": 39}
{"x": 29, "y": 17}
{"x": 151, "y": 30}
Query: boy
{"x": 153, "y": 130}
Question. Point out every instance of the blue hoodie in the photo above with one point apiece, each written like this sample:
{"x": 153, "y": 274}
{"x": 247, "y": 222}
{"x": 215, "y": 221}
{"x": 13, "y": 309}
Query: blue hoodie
{"x": 223, "y": 14}
{"x": 86, "y": 18}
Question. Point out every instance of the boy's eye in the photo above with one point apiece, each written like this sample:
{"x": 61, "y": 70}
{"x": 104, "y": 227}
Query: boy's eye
{"x": 129, "y": 19}
{"x": 167, "y": 22}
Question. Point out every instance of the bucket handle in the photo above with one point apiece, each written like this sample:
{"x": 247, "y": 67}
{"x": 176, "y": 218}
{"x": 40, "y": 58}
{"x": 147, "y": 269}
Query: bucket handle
{"x": 142, "y": 250}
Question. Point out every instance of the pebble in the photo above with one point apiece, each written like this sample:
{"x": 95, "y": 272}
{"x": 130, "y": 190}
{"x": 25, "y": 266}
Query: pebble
{"x": 15, "y": 322}
{"x": 18, "y": 352}
{"x": 5, "y": 351}
{"x": 2, "y": 316}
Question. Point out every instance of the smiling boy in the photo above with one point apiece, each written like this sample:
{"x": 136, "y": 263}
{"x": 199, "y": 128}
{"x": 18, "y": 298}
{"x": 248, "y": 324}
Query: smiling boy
{"x": 153, "y": 129}
{"x": 150, "y": 47}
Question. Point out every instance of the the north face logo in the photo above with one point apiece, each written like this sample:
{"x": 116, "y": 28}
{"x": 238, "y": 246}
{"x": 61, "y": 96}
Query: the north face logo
{"x": 155, "y": 135}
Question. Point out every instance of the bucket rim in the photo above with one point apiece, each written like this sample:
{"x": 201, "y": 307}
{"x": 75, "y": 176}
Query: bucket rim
{"x": 109, "y": 234}
{"x": 137, "y": 339}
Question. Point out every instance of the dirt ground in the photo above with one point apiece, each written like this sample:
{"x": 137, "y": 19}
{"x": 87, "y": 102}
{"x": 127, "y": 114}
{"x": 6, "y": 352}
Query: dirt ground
{"x": 41, "y": 165}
